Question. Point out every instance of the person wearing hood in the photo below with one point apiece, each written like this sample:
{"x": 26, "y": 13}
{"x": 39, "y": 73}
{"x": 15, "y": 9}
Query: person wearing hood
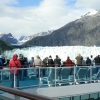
{"x": 69, "y": 62}
{"x": 79, "y": 60}
{"x": 14, "y": 64}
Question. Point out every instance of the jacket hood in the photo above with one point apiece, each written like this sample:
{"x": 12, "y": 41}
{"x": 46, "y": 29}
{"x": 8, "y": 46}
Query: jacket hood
{"x": 15, "y": 56}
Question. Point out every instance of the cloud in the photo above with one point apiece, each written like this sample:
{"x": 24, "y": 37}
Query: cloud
{"x": 50, "y": 14}
{"x": 5, "y": 2}
{"x": 94, "y": 4}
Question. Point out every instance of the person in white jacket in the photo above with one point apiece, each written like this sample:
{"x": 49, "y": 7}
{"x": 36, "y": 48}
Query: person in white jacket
{"x": 38, "y": 63}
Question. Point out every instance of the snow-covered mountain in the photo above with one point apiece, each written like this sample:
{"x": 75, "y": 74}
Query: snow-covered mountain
{"x": 84, "y": 31}
{"x": 90, "y": 13}
{"x": 24, "y": 39}
{"x": 8, "y": 37}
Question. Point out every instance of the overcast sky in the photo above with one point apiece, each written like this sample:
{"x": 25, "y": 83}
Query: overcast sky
{"x": 27, "y": 17}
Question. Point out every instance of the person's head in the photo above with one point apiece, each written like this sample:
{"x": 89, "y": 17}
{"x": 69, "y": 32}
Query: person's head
{"x": 46, "y": 58}
{"x": 68, "y": 57}
{"x": 91, "y": 56}
{"x": 87, "y": 57}
{"x": 32, "y": 58}
{"x": 64, "y": 63}
{"x": 57, "y": 56}
{"x": 21, "y": 56}
{"x": 79, "y": 54}
{"x": 37, "y": 57}
{"x": 50, "y": 56}
{"x": 15, "y": 56}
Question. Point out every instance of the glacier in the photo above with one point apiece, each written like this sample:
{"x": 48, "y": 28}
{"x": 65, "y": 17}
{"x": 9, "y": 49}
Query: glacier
{"x": 62, "y": 51}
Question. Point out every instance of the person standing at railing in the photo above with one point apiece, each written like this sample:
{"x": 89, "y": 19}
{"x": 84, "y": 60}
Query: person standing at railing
{"x": 22, "y": 61}
{"x": 92, "y": 60}
{"x": 14, "y": 64}
{"x": 50, "y": 62}
{"x": 69, "y": 63}
{"x": 1, "y": 62}
{"x": 31, "y": 62}
{"x": 97, "y": 62}
{"x": 88, "y": 62}
{"x": 38, "y": 63}
{"x": 45, "y": 62}
{"x": 57, "y": 61}
{"x": 79, "y": 60}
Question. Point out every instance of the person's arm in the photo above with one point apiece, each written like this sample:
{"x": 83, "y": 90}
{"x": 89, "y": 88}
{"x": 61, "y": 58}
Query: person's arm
{"x": 10, "y": 64}
{"x": 19, "y": 64}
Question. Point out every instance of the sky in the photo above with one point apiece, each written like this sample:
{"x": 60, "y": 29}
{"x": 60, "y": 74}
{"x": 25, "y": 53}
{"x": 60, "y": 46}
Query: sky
{"x": 28, "y": 17}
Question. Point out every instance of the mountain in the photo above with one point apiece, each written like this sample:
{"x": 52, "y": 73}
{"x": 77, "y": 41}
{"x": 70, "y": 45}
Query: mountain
{"x": 8, "y": 37}
{"x": 83, "y": 32}
{"x": 5, "y": 46}
{"x": 23, "y": 39}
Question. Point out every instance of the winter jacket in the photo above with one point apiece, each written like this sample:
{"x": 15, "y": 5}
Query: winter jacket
{"x": 37, "y": 62}
{"x": 50, "y": 62}
{"x": 22, "y": 61}
{"x": 57, "y": 62}
{"x": 79, "y": 60}
{"x": 69, "y": 63}
{"x": 14, "y": 63}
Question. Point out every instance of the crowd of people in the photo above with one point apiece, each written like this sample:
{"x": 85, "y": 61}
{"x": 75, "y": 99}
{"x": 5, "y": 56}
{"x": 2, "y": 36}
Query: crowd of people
{"x": 19, "y": 61}
{"x": 50, "y": 62}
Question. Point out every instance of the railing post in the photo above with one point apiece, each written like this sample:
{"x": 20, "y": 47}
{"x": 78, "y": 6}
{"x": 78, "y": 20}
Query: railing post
{"x": 91, "y": 73}
{"x": 55, "y": 76}
{"x": 14, "y": 79}
{"x": 39, "y": 75}
{"x": 74, "y": 74}
{"x": 16, "y": 97}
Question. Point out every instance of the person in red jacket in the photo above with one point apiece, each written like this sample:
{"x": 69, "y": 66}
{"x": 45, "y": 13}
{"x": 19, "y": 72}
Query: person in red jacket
{"x": 14, "y": 64}
{"x": 69, "y": 63}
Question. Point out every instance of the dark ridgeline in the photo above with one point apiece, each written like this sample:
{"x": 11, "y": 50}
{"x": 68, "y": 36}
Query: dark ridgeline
{"x": 83, "y": 32}
{"x": 4, "y": 46}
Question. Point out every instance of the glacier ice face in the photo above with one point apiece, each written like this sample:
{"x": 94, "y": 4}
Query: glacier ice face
{"x": 61, "y": 51}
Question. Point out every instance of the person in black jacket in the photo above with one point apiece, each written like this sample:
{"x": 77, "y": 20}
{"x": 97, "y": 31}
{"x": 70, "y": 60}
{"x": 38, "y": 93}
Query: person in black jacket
{"x": 50, "y": 62}
{"x": 57, "y": 61}
{"x": 45, "y": 62}
{"x": 88, "y": 62}
{"x": 22, "y": 61}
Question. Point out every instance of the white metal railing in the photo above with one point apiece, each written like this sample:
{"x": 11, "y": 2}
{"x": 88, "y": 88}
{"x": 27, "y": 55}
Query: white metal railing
{"x": 51, "y": 76}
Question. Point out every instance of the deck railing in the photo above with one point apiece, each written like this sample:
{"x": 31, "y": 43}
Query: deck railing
{"x": 18, "y": 93}
{"x": 51, "y": 76}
